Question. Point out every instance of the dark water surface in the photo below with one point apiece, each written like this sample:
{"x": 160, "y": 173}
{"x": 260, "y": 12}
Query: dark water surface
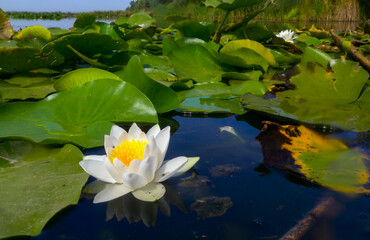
{"x": 266, "y": 202}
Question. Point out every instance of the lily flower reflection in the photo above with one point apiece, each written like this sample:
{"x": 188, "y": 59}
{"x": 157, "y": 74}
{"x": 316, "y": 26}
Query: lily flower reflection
{"x": 135, "y": 210}
{"x": 287, "y": 35}
{"x": 134, "y": 163}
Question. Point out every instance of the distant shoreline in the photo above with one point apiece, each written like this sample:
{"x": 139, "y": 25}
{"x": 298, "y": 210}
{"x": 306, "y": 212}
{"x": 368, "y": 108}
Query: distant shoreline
{"x": 61, "y": 15}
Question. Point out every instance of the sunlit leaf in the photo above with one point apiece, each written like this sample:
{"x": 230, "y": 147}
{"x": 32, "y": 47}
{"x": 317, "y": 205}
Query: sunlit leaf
{"x": 6, "y": 30}
{"x": 308, "y": 40}
{"x": 36, "y": 182}
{"x": 33, "y": 32}
{"x": 81, "y": 76}
{"x": 233, "y": 47}
{"x": 140, "y": 19}
{"x": 326, "y": 161}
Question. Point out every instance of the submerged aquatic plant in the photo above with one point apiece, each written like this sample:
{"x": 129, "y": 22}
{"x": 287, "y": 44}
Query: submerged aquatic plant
{"x": 134, "y": 163}
{"x": 287, "y": 35}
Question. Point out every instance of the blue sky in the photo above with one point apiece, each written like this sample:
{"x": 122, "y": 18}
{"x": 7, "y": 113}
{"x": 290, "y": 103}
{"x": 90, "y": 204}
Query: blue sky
{"x": 63, "y": 5}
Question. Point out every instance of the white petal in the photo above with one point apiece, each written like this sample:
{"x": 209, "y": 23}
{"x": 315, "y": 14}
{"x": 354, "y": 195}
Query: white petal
{"x": 189, "y": 164}
{"x": 95, "y": 157}
{"x": 134, "y": 165}
{"x": 154, "y": 151}
{"x": 134, "y": 180}
{"x": 110, "y": 192}
{"x": 97, "y": 169}
{"x": 120, "y": 166}
{"x": 147, "y": 168}
{"x": 113, "y": 171}
{"x": 124, "y": 137}
{"x": 169, "y": 169}
{"x": 116, "y": 131}
{"x": 134, "y": 131}
{"x": 143, "y": 137}
{"x": 150, "y": 193}
{"x": 163, "y": 139}
{"x": 109, "y": 142}
{"x": 153, "y": 132}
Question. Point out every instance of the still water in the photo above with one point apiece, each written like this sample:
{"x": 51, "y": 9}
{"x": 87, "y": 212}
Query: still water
{"x": 257, "y": 202}
{"x": 65, "y": 23}
{"x": 246, "y": 199}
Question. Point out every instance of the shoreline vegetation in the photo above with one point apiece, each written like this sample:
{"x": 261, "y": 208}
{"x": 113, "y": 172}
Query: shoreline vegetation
{"x": 280, "y": 10}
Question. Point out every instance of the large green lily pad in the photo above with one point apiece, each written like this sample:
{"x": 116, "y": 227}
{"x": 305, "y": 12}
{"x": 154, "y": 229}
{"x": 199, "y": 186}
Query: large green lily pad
{"x": 36, "y": 182}
{"x": 163, "y": 98}
{"x": 82, "y": 116}
{"x": 326, "y": 161}
{"x": 322, "y": 97}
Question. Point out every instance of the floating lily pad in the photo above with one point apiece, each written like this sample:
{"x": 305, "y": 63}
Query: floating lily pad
{"x": 322, "y": 97}
{"x": 87, "y": 44}
{"x": 224, "y": 170}
{"x": 209, "y": 207}
{"x": 36, "y": 183}
{"x": 14, "y": 59}
{"x": 31, "y": 87}
{"x": 82, "y": 115}
{"x": 326, "y": 161}
{"x": 195, "y": 62}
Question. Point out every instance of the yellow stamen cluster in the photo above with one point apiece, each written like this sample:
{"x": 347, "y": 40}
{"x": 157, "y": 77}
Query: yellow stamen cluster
{"x": 128, "y": 151}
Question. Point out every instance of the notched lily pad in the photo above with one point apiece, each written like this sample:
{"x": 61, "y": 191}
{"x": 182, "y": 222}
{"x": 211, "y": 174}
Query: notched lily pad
{"x": 323, "y": 160}
{"x": 209, "y": 207}
{"x": 38, "y": 182}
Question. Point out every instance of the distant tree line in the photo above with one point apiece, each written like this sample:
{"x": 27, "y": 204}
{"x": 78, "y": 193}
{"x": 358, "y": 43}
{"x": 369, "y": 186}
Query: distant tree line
{"x": 145, "y": 4}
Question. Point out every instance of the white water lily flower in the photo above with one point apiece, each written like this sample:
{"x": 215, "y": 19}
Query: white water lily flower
{"x": 287, "y": 35}
{"x": 134, "y": 163}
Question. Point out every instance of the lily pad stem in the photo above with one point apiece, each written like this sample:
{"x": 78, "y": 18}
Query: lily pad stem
{"x": 217, "y": 36}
